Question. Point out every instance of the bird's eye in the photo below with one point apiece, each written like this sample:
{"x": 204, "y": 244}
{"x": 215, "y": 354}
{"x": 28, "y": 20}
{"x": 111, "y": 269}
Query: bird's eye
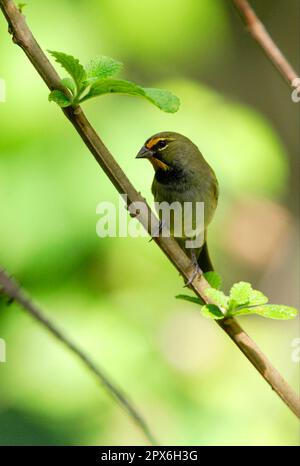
{"x": 161, "y": 144}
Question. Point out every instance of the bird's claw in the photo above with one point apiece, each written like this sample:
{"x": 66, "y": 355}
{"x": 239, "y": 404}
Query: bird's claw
{"x": 196, "y": 271}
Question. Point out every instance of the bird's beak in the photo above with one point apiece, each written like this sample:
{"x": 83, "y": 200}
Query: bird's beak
{"x": 145, "y": 153}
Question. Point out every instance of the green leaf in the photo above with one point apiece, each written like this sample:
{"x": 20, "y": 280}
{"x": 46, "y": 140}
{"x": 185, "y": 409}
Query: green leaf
{"x": 214, "y": 279}
{"x": 101, "y": 68}
{"x": 71, "y": 65}
{"x": 69, "y": 84}
{"x": 240, "y": 294}
{"x": 257, "y": 298}
{"x": 242, "y": 311}
{"x": 243, "y": 295}
{"x": 271, "y": 311}
{"x": 218, "y": 296}
{"x": 162, "y": 99}
{"x": 211, "y": 311}
{"x": 60, "y": 98}
{"x": 116, "y": 86}
{"x": 191, "y": 299}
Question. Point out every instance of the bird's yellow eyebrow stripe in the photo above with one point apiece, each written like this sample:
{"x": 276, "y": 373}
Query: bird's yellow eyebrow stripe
{"x": 154, "y": 141}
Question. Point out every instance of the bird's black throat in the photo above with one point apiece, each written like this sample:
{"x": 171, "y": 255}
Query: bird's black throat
{"x": 171, "y": 176}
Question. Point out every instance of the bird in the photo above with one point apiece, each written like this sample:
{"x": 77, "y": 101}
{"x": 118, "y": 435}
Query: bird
{"x": 181, "y": 176}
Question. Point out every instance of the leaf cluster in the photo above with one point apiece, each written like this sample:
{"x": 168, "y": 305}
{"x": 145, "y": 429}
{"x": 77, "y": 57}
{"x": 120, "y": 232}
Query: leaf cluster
{"x": 242, "y": 300}
{"x": 99, "y": 78}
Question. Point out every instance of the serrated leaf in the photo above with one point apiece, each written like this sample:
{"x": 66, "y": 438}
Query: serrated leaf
{"x": 218, "y": 296}
{"x": 257, "y": 298}
{"x": 69, "y": 84}
{"x": 240, "y": 294}
{"x": 71, "y": 65}
{"x": 162, "y": 99}
{"x": 276, "y": 311}
{"x": 211, "y": 311}
{"x": 214, "y": 279}
{"x": 60, "y": 98}
{"x": 102, "y": 68}
{"x": 191, "y": 299}
{"x": 271, "y": 311}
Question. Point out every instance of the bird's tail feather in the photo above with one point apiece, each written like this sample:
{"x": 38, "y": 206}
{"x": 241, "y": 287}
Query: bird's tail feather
{"x": 204, "y": 260}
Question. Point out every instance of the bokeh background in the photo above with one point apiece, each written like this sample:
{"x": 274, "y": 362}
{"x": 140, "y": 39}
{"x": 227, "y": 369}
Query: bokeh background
{"x": 116, "y": 296}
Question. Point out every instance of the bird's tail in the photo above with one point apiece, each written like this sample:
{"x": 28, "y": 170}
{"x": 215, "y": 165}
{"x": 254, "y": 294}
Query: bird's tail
{"x": 204, "y": 260}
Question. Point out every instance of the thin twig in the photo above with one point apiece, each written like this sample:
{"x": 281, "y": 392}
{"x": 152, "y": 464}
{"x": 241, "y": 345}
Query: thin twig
{"x": 10, "y": 288}
{"x": 24, "y": 38}
{"x": 263, "y": 38}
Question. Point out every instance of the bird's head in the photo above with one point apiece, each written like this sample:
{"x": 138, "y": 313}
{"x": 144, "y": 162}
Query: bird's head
{"x": 169, "y": 151}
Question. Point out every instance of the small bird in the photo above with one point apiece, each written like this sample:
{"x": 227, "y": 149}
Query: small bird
{"x": 182, "y": 175}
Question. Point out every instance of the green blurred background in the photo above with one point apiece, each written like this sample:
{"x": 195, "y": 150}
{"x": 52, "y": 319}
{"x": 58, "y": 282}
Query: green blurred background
{"x": 115, "y": 296}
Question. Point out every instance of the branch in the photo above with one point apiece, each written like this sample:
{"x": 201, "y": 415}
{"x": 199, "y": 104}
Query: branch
{"x": 24, "y": 38}
{"x": 11, "y": 289}
{"x": 263, "y": 38}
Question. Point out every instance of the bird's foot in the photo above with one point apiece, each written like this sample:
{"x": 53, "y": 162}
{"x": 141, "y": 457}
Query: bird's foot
{"x": 196, "y": 270}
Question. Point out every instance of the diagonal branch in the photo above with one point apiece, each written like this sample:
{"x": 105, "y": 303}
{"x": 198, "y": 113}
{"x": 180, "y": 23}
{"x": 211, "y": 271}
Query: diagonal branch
{"x": 263, "y": 38}
{"x": 11, "y": 289}
{"x": 24, "y": 38}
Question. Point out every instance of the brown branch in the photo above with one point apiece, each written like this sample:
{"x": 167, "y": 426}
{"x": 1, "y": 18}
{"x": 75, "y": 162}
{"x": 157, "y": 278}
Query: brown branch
{"x": 24, "y": 38}
{"x": 263, "y": 38}
{"x": 12, "y": 290}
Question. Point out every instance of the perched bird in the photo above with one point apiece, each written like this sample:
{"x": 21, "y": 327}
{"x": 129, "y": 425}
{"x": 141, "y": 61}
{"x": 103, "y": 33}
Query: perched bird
{"x": 182, "y": 175}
